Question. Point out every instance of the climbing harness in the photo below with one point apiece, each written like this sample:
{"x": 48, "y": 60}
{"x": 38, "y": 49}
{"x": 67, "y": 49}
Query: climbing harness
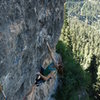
{"x": 1, "y": 90}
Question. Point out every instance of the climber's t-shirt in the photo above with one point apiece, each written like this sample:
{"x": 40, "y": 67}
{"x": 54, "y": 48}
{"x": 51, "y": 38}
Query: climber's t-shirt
{"x": 49, "y": 69}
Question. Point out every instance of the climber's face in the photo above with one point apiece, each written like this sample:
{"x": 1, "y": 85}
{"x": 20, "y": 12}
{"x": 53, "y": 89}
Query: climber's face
{"x": 60, "y": 60}
{"x": 60, "y": 65}
{"x": 60, "y": 69}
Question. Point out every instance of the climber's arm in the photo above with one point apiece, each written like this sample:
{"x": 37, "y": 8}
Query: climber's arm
{"x": 47, "y": 77}
{"x": 0, "y": 88}
{"x": 51, "y": 53}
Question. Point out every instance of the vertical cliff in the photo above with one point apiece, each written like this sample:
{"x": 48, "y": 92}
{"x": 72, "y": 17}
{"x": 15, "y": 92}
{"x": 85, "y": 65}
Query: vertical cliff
{"x": 24, "y": 24}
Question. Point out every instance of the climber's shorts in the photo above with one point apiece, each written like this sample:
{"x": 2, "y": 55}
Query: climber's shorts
{"x": 39, "y": 80}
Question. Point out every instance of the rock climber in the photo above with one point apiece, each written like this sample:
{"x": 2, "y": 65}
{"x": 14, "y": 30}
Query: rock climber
{"x": 49, "y": 72}
{"x": 51, "y": 69}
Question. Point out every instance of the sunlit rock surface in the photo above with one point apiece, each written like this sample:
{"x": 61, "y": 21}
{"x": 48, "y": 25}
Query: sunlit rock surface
{"x": 24, "y": 25}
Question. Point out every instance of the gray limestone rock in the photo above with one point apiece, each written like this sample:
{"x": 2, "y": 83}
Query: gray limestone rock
{"x": 24, "y": 25}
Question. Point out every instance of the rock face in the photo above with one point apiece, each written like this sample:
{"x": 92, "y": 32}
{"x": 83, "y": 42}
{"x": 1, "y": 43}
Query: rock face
{"x": 24, "y": 25}
{"x": 44, "y": 91}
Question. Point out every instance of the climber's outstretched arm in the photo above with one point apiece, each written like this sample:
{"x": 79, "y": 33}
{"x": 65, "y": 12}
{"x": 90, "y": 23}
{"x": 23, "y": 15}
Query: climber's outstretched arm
{"x": 51, "y": 53}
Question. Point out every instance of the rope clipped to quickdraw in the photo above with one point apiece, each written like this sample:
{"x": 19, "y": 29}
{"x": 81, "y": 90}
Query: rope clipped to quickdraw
{"x": 2, "y": 91}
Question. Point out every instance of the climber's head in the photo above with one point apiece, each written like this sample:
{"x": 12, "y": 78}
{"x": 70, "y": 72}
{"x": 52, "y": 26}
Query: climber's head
{"x": 60, "y": 64}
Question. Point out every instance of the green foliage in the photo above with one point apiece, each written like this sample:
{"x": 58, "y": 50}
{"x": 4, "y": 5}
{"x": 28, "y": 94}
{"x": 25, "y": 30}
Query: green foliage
{"x": 78, "y": 43}
{"x": 74, "y": 78}
{"x": 75, "y": 81}
{"x": 86, "y": 43}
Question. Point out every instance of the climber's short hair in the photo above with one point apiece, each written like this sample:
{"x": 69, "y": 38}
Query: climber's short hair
{"x": 60, "y": 63}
